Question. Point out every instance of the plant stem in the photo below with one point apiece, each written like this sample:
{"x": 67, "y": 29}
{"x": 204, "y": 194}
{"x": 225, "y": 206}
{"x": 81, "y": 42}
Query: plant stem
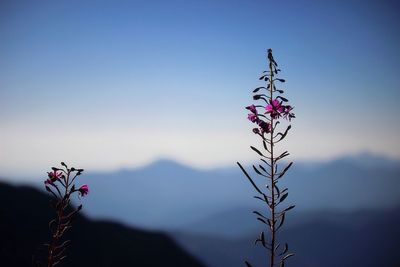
{"x": 272, "y": 258}
{"x": 60, "y": 214}
{"x": 55, "y": 237}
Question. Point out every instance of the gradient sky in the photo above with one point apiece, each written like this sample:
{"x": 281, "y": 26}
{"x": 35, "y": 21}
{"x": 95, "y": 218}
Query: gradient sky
{"x": 110, "y": 84}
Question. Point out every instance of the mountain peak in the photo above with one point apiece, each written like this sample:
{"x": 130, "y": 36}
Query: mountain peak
{"x": 367, "y": 159}
{"x": 166, "y": 164}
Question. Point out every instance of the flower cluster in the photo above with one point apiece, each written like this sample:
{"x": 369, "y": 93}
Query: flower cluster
{"x": 275, "y": 109}
{"x": 264, "y": 127}
{"x": 58, "y": 175}
{"x": 53, "y": 177}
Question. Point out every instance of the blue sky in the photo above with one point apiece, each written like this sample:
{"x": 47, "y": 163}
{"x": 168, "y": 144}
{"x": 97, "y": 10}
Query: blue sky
{"x": 111, "y": 84}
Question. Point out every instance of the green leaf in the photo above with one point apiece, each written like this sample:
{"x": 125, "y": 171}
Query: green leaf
{"x": 262, "y": 168}
{"x": 285, "y": 249}
{"x": 283, "y": 135}
{"x": 289, "y": 208}
{"x": 262, "y": 239}
{"x": 259, "y": 214}
{"x": 287, "y": 256}
{"x": 257, "y": 197}
{"x": 283, "y": 197}
{"x": 258, "y": 89}
{"x": 281, "y": 156}
{"x": 277, "y": 190}
{"x": 263, "y": 160}
{"x": 248, "y": 177}
{"x": 282, "y": 220}
{"x": 283, "y": 99}
{"x": 262, "y": 220}
{"x": 257, "y": 151}
{"x": 285, "y": 170}
{"x": 257, "y": 171}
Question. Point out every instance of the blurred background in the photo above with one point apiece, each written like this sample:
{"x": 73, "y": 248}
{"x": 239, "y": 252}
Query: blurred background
{"x": 148, "y": 97}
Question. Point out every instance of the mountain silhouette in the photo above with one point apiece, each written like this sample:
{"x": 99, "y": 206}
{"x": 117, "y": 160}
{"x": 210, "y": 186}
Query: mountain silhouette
{"x": 24, "y": 217}
{"x": 170, "y": 196}
{"x": 323, "y": 238}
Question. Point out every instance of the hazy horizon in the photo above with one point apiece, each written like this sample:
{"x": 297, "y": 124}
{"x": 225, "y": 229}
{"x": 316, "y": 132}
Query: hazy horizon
{"x": 361, "y": 159}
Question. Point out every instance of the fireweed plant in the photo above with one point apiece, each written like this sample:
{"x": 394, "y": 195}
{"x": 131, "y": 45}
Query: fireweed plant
{"x": 60, "y": 183}
{"x": 267, "y": 116}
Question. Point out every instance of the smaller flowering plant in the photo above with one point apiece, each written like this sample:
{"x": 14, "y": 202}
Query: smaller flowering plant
{"x": 60, "y": 183}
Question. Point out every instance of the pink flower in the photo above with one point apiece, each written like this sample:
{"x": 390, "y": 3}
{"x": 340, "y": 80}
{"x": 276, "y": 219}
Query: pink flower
{"x": 274, "y": 108}
{"x": 53, "y": 176}
{"x": 252, "y": 117}
{"x": 84, "y": 190}
{"x": 287, "y": 114}
{"x": 253, "y": 109}
{"x": 264, "y": 126}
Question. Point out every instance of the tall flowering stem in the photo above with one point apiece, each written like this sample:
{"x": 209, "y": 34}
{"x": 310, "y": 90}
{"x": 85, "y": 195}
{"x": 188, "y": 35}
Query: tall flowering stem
{"x": 267, "y": 116}
{"x": 60, "y": 183}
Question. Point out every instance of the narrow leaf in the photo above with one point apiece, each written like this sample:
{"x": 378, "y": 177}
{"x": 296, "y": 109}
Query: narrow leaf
{"x": 265, "y": 145}
{"x": 282, "y": 220}
{"x": 285, "y": 169}
{"x": 284, "y": 134}
{"x": 257, "y": 171}
{"x": 259, "y": 214}
{"x": 263, "y": 160}
{"x": 257, "y": 197}
{"x": 262, "y": 220}
{"x": 283, "y": 197}
{"x": 287, "y": 256}
{"x": 285, "y": 249}
{"x": 277, "y": 190}
{"x": 257, "y": 151}
{"x": 262, "y": 168}
{"x": 289, "y": 208}
{"x": 283, "y": 99}
{"x": 281, "y": 156}
{"x": 262, "y": 239}
{"x": 258, "y": 89}
{"x": 248, "y": 176}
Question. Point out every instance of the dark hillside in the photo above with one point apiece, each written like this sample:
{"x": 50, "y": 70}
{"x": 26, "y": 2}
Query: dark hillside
{"x": 24, "y": 216}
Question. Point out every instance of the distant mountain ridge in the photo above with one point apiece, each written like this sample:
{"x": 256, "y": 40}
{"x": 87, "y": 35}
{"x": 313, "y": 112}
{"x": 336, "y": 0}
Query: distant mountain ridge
{"x": 168, "y": 195}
